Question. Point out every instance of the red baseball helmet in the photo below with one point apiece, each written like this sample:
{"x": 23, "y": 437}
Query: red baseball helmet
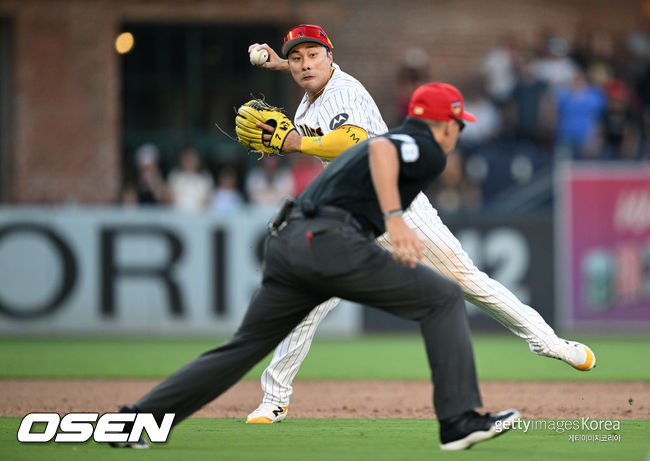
{"x": 305, "y": 33}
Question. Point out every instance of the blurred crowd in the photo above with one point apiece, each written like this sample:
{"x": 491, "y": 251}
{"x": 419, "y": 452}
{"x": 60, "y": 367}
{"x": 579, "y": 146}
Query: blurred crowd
{"x": 536, "y": 105}
{"x": 193, "y": 185}
{"x": 557, "y": 99}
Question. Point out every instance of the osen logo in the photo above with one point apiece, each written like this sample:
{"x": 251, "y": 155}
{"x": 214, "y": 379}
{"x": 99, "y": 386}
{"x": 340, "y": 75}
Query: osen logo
{"x": 79, "y": 427}
{"x": 339, "y": 120}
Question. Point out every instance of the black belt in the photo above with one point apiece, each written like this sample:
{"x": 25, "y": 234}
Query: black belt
{"x": 290, "y": 210}
{"x": 326, "y": 211}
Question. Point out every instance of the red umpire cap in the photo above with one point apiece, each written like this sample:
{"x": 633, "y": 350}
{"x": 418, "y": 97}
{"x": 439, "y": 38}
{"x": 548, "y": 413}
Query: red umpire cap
{"x": 305, "y": 33}
{"x": 439, "y": 101}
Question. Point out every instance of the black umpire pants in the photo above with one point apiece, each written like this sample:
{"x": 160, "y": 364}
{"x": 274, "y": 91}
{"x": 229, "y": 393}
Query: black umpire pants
{"x": 306, "y": 263}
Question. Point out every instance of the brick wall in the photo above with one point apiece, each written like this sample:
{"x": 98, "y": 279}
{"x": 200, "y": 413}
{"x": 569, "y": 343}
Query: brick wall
{"x": 66, "y": 106}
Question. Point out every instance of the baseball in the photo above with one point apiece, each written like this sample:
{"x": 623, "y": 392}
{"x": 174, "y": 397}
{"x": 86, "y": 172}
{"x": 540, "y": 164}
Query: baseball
{"x": 259, "y": 56}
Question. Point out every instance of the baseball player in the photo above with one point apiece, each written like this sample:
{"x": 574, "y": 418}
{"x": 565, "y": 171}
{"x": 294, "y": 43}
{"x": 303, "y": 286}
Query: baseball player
{"x": 323, "y": 246}
{"x": 337, "y": 112}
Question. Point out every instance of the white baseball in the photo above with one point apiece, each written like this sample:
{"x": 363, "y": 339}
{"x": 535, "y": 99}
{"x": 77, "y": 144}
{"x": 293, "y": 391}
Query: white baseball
{"x": 259, "y": 56}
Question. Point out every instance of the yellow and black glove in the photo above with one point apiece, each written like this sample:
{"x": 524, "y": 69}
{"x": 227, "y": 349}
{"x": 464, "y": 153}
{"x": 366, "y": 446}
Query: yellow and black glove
{"x": 251, "y": 136}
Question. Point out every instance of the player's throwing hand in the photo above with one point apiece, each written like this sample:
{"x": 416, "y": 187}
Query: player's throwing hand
{"x": 274, "y": 62}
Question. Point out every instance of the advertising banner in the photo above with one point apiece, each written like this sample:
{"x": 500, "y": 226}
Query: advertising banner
{"x": 114, "y": 271}
{"x": 604, "y": 248}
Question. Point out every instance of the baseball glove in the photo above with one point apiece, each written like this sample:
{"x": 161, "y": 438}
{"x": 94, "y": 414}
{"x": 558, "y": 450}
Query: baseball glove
{"x": 252, "y": 137}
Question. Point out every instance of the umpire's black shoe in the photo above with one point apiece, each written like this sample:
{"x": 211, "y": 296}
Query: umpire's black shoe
{"x": 141, "y": 443}
{"x": 461, "y": 432}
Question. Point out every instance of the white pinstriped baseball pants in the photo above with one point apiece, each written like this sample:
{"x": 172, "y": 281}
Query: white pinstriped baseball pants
{"x": 444, "y": 254}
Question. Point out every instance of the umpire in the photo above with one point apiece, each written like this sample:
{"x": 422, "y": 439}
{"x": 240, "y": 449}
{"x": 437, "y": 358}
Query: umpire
{"x": 323, "y": 246}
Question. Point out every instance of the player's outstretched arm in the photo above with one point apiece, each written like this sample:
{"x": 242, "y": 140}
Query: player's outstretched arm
{"x": 274, "y": 62}
{"x": 333, "y": 143}
{"x": 384, "y": 171}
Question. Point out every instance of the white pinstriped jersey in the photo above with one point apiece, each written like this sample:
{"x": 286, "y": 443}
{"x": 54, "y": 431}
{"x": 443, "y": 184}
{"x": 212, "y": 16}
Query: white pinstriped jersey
{"x": 344, "y": 101}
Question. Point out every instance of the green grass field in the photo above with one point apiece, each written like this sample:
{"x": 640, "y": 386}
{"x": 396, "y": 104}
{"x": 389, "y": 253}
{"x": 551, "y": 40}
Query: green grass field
{"x": 378, "y": 357}
{"x": 335, "y": 439}
{"x": 372, "y": 357}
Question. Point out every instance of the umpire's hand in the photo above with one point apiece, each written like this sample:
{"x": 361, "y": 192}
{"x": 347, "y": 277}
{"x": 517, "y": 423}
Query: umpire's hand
{"x": 407, "y": 247}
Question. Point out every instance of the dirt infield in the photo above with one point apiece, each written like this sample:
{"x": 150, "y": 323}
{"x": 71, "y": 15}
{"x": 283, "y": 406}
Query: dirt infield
{"x": 343, "y": 399}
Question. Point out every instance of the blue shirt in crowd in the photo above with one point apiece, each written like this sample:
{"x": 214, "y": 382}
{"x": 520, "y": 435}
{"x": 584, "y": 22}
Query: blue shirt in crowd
{"x": 579, "y": 112}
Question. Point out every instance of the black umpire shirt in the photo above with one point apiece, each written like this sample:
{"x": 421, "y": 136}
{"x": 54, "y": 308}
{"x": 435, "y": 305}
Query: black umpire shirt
{"x": 346, "y": 182}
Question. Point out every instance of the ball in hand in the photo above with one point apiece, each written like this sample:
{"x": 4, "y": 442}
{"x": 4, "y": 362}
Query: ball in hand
{"x": 259, "y": 56}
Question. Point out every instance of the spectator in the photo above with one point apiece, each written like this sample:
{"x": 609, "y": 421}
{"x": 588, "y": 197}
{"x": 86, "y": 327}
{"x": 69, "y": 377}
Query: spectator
{"x": 412, "y": 73}
{"x": 555, "y": 68}
{"x": 527, "y": 95}
{"x": 150, "y": 186}
{"x": 269, "y": 182}
{"x": 488, "y": 118}
{"x": 499, "y": 68}
{"x": 189, "y": 187}
{"x": 226, "y": 196}
{"x": 580, "y": 108}
{"x": 594, "y": 52}
{"x": 619, "y": 132}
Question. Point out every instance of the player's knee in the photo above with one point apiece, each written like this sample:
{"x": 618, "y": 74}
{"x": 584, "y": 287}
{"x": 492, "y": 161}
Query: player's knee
{"x": 454, "y": 293}
{"x": 447, "y": 300}
{"x": 447, "y": 296}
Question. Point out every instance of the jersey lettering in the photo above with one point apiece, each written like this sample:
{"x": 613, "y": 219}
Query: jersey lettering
{"x": 309, "y": 131}
{"x": 353, "y": 136}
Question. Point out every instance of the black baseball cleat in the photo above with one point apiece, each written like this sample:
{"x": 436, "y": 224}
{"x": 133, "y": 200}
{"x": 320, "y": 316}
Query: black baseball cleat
{"x": 461, "y": 432}
{"x": 140, "y": 444}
